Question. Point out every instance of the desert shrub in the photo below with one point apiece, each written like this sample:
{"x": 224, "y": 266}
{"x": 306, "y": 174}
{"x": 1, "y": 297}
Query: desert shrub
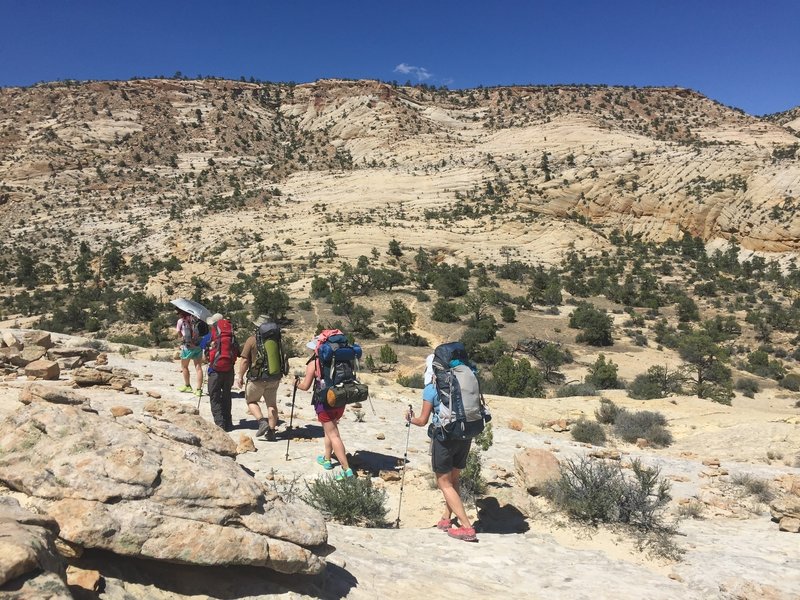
{"x": 472, "y": 484}
{"x": 508, "y": 314}
{"x": 414, "y": 381}
{"x": 140, "y": 307}
{"x": 595, "y": 325}
{"x": 791, "y": 382}
{"x": 747, "y": 386}
{"x": 600, "y": 492}
{"x": 646, "y": 424}
{"x": 352, "y": 501}
{"x": 517, "y": 378}
{"x": 588, "y": 432}
{"x": 444, "y": 311}
{"x": 576, "y": 389}
{"x": 129, "y": 338}
{"x": 691, "y": 510}
{"x": 656, "y": 382}
{"x": 305, "y": 305}
{"x": 754, "y": 486}
{"x": 603, "y": 375}
{"x": 607, "y": 412}
{"x": 388, "y": 355}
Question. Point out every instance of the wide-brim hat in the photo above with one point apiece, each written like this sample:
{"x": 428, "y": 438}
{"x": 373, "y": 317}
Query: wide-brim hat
{"x": 312, "y": 345}
{"x": 214, "y": 318}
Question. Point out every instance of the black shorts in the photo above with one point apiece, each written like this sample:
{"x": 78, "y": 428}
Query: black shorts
{"x": 449, "y": 455}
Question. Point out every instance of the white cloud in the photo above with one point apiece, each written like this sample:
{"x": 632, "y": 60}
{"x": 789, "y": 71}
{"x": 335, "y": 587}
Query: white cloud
{"x": 421, "y": 73}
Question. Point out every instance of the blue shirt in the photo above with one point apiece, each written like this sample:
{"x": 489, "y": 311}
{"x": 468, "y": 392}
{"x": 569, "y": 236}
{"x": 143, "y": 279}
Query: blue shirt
{"x": 429, "y": 394}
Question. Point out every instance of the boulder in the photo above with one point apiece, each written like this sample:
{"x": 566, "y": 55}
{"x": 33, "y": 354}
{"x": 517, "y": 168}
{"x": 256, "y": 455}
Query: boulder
{"x": 785, "y": 507}
{"x": 79, "y": 354}
{"x": 26, "y": 543}
{"x": 69, "y": 362}
{"x": 10, "y": 354}
{"x": 535, "y": 468}
{"x": 120, "y": 411}
{"x": 790, "y": 524}
{"x": 133, "y": 487}
{"x": 11, "y": 341}
{"x": 88, "y": 579}
{"x": 43, "y": 369}
{"x": 29, "y": 354}
{"x": 37, "y": 392}
{"x": 116, "y": 378}
{"x": 36, "y": 338}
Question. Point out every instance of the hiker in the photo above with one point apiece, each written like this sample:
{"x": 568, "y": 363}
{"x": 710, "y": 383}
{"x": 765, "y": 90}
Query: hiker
{"x": 448, "y": 459}
{"x": 328, "y": 417}
{"x": 264, "y": 363}
{"x": 188, "y": 330}
{"x": 222, "y": 350}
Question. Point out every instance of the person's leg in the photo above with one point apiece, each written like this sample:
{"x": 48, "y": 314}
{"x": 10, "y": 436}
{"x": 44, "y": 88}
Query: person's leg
{"x": 253, "y": 392}
{"x": 227, "y": 384}
{"x": 334, "y": 443}
{"x": 451, "y": 498}
{"x": 271, "y": 399}
{"x": 185, "y": 372}
{"x": 215, "y": 396}
{"x": 198, "y": 371}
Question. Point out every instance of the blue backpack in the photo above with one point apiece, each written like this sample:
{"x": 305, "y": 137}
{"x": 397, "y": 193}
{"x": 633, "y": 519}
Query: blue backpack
{"x": 337, "y": 364}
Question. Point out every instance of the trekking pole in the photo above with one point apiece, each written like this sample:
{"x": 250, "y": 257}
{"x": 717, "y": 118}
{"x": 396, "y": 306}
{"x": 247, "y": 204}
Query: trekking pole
{"x": 405, "y": 462}
{"x": 291, "y": 418}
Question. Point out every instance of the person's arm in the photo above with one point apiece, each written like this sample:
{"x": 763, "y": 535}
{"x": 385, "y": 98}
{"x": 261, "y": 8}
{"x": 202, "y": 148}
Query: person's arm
{"x": 305, "y": 383}
{"x": 244, "y": 364}
{"x": 424, "y": 415}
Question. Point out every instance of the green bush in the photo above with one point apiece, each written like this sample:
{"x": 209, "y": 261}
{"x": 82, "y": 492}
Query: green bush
{"x": 414, "y": 381}
{"x": 472, "y": 484}
{"x": 656, "y": 382}
{"x": 508, "y": 314}
{"x": 607, "y": 412}
{"x": 646, "y": 424}
{"x": 351, "y": 501}
{"x": 132, "y": 339}
{"x": 444, "y": 311}
{"x": 603, "y": 375}
{"x": 388, "y": 355}
{"x": 747, "y": 386}
{"x": 595, "y": 325}
{"x": 588, "y": 432}
{"x": 576, "y": 389}
{"x": 600, "y": 492}
{"x": 791, "y": 382}
{"x": 517, "y": 378}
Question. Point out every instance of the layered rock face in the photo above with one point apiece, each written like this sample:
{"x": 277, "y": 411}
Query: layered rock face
{"x": 163, "y": 486}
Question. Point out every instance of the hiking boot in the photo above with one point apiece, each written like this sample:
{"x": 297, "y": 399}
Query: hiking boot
{"x": 263, "y": 427}
{"x": 466, "y": 534}
{"x": 444, "y": 524}
{"x": 325, "y": 462}
{"x": 270, "y": 435}
{"x": 185, "y": 388}
{"x": 345, "y": 475}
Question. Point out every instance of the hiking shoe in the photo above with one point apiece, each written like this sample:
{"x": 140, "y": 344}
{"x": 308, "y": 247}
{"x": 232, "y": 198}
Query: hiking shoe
{"x": 198, "y": 392}
{"x": 444, "y": 524}
{"x": 270, "y": 435}
{"x": 326, "y": 463}
{"x": 185, "y": 388}
{"x": 345, "y": 475}
{"x": 263, "y": 427}
{"x": 466, "y": 534}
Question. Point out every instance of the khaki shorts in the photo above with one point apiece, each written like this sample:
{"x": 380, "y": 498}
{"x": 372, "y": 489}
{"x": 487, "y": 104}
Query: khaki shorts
{"x": 255, "y": 390}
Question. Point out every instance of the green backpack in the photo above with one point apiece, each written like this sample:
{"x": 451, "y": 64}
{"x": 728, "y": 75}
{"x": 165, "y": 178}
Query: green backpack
{"x": 271, "y": 363}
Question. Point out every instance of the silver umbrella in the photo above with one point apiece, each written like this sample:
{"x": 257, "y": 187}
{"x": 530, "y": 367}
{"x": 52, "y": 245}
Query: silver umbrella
{"x": 192, "y": 307}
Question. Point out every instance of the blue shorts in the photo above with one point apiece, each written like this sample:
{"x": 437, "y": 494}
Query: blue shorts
{"x": 191, "y": 353}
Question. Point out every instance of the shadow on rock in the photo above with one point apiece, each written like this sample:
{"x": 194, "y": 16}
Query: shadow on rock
{"x": 162, "y": 579}
{"x": 493, "y": 518}
{"x": 374, "y": 462}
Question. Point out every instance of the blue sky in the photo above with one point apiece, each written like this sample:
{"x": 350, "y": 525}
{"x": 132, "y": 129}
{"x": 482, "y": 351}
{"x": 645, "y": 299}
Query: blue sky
{"x": 740, "y": 52}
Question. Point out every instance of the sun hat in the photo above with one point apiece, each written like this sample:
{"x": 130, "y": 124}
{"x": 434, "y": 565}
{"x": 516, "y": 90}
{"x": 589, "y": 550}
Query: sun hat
{"x": 312, "y": 345}
{"x": 213, "y": 318}
{"x": 261, "y": 320}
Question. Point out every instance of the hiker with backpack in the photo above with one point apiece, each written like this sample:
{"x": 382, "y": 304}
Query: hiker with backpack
{"x": 264, "y": 364}
{"x": 332, "y": 372}
{"x": 222, "y": 350}
{"x": 188, "y": 330}
{"x": 452, "y": 396}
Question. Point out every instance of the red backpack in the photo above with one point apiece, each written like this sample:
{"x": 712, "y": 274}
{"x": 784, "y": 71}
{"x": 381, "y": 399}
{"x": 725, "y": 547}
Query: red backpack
{"x": 224, "y": 349}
